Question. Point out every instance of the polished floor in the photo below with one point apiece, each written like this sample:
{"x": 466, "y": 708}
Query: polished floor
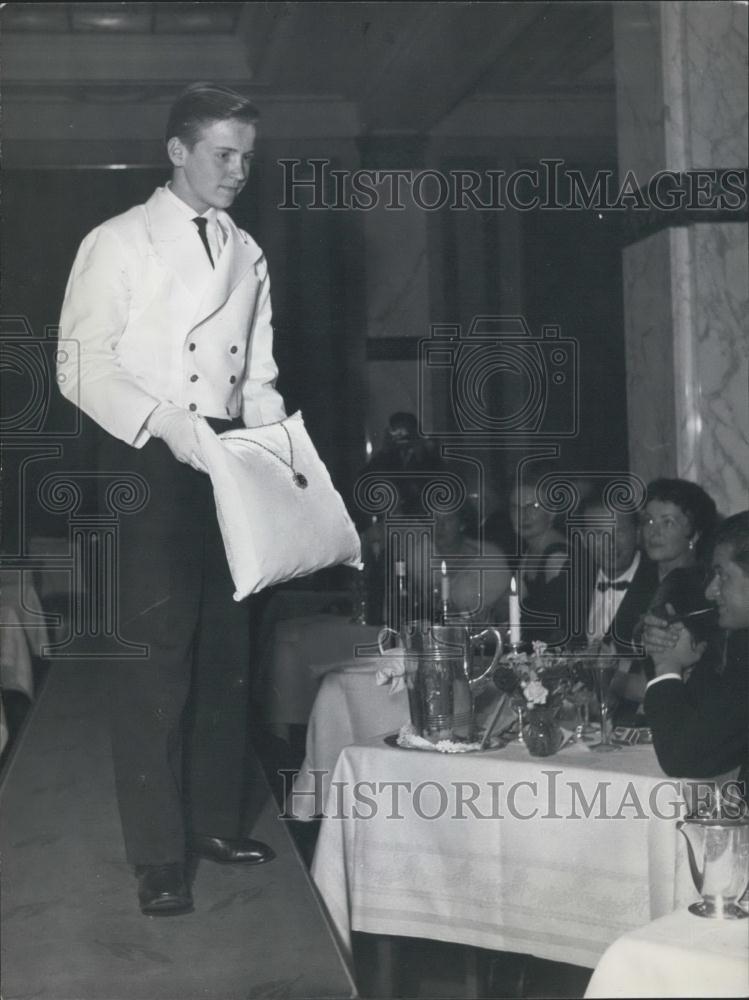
{"x": 71, "y": 927}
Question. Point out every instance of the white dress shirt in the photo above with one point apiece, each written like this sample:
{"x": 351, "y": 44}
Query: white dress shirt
{"x": 214, "y": 230}
{"x": 605, "y": 603}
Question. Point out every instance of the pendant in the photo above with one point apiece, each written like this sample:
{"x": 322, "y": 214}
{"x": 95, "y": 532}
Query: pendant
{"x": 300, "y": 481}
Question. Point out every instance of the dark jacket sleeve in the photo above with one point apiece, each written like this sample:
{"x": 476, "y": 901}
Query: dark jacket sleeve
{"x": 698, "y": 737}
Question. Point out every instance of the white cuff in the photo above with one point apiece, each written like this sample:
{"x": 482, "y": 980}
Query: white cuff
{"x": 663, "y": 677}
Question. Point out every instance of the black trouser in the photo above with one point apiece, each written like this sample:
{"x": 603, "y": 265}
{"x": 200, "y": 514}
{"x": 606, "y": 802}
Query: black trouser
{"x": 179, "y": 717}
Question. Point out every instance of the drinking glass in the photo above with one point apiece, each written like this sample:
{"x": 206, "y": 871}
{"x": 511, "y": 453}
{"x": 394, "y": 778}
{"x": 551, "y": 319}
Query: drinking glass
{"x": 518, "y": 706}
{"x": 603, "y": 672}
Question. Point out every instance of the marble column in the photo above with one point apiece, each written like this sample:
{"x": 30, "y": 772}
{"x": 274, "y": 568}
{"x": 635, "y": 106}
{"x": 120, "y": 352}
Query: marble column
{"x": 681, "y": 70}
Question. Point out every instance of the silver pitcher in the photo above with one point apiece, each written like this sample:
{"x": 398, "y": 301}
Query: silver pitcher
{"x": 719, "y": 862}
{"x": 439, "y": 676}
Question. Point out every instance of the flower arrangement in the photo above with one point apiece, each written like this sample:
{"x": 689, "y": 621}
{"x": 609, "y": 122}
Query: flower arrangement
{"x": 538, "y": 680}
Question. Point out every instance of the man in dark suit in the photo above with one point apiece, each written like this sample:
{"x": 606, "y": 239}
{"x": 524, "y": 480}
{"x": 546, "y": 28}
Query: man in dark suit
{"x": 625, "y": 580}
{"x": 701, "y": 726}
{"x": 619, "y": 594}
{"x": 170, "y": 306}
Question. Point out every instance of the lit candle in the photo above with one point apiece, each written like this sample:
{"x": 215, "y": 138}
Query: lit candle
{"x": 445, "y": 591}
{"x": 514, "y": 614}
{"x": 368, "y": 447}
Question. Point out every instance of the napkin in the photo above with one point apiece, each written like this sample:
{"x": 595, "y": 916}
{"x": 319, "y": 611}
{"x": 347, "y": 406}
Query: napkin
{"x": 394, "y": 671}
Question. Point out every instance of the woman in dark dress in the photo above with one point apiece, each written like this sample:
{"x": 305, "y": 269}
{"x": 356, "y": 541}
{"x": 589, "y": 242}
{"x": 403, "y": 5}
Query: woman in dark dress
{"x": 543, "y": 576}
{"x": 677, "y": 526}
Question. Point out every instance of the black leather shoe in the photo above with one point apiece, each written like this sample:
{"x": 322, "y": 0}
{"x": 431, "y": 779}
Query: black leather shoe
{"x": 231, "y": 852}
{"x": 163, "y": 891}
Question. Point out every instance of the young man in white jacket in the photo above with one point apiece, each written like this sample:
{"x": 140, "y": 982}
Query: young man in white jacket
{"x": 169, "y": 304}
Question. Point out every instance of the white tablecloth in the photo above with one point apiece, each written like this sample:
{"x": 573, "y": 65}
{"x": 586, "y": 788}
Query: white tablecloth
{"x": 23, "y": 634}
{"x": 23, "y": 631}
{"x": 679, "y": 955}
{"x": 350, "y": 707}
{"x": 550, "y": 885}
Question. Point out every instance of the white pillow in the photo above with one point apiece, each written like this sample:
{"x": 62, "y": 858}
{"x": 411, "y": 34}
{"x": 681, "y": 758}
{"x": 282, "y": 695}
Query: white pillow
{"x": 274, "y": 527}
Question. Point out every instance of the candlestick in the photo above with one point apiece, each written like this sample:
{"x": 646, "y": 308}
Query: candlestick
{"x": 514, "y": 614}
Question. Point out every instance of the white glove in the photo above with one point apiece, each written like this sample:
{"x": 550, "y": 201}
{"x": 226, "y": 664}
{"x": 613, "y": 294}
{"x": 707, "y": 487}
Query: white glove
{"x": 176, "y": 428}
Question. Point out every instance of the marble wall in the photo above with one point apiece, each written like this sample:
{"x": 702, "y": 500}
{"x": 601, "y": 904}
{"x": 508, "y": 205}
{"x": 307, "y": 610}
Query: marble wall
{"x": 720, "y": 372}
{"x": 649, "y": 357}
{"x": 681, "y": 105}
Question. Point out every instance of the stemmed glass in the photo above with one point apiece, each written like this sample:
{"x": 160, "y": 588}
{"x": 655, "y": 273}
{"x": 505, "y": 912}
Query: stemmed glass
{"x": 519, "y": 705}
{"x": 603, "y": 672}
{"x": 580, "y": 698}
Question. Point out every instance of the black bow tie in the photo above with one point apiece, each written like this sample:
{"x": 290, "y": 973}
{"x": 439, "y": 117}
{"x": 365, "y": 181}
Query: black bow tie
{"x": 604, "y": 585}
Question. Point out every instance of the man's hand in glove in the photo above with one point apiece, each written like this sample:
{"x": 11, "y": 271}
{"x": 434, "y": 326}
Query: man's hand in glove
{"x": 176, "y": 428}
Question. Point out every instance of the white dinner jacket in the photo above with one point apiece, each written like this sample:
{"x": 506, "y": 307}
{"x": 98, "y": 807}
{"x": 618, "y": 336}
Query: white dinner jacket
{"x": 146, "y": 319}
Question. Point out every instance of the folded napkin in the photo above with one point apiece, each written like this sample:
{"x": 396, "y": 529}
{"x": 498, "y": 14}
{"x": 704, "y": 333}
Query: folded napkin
{"x": 394, "y": 671}
{"x": 358, "y": 665}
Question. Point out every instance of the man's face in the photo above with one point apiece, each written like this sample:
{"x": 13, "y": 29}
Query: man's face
{"x": 614, "y": 541}
{"x": 213, "y": 172}
{"x": 729, "y": 588}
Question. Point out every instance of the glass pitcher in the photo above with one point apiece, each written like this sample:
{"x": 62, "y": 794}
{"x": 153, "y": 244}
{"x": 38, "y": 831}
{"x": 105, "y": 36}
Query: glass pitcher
{"x": 439, "y": 676}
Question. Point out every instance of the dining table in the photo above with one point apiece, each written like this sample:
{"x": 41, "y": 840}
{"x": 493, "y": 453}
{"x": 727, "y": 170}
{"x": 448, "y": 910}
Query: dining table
{"x": 24, "y": 636}
{"x": 678, "y": 955}
{"x": 24, "y": 632}
{"x": 555, "y": 857}
{"x": 350, "y": 707}
{"x": 297, "y": 631}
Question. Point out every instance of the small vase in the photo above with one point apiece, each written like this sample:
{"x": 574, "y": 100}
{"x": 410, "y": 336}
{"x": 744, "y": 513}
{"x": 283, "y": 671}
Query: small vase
{"x": 542, "y": 733}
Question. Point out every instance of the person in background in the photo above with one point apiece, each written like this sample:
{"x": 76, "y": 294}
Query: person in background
{"x": 618, "y": 595}
{"x": 545, "y": 558}
{"x": 405, "y": 462}
{"x": 475, "y": 592}
{"x": 625, "y": 579}
{"x": 677, "y": 525}
{"x": 701, "y": 725}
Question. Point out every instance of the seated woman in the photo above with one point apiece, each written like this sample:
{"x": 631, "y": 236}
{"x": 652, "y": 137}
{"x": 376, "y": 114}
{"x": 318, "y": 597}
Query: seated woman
{"x": 676, "y": 525}
{"x": 543, "y": 595}
{"x": 701, "y": 725}
{"x": 475, "y": 592}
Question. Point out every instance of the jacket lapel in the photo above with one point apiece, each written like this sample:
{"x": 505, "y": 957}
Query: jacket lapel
{"x": 176, "y": 245}
{"x": 634, "y": 603}
{"x": 239, "y": 254}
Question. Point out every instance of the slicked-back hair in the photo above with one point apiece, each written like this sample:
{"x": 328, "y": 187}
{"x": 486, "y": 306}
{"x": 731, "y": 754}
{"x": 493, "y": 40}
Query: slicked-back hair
{"x": 200, "y": 104}
{"x": 734, "y": 532}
